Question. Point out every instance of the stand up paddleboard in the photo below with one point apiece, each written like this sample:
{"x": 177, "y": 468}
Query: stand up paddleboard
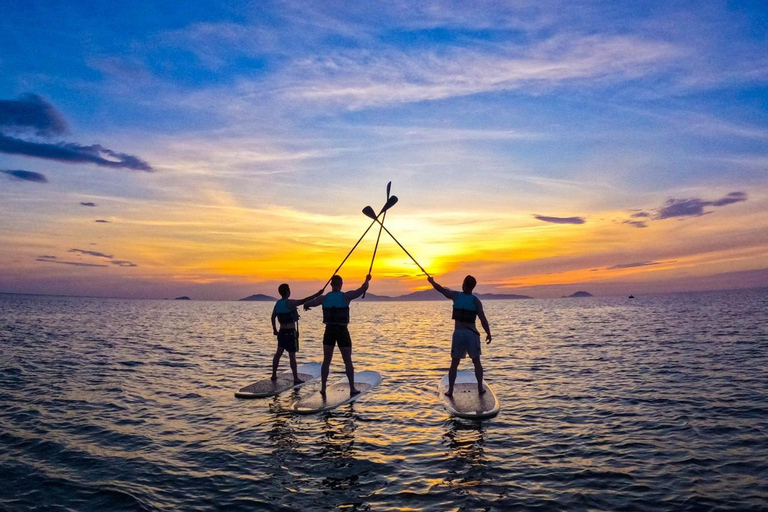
{"x": 467, "y": 402}
{"x": 337, "y": 393}
{"x": 284, "y": 382}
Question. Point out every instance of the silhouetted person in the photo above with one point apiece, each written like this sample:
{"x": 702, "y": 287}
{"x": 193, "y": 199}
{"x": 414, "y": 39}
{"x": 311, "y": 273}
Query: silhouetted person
{"x": 288, "y": 336}
{"x": 466, "y": 338}
{"x": 336, "y": 319}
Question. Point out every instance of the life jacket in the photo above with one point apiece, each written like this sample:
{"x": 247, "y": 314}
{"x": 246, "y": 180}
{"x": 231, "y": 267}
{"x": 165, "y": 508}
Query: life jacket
{"x": 285, "y": 315}
{"x": 464, "y": 308}
{"x": 335, "y": 309}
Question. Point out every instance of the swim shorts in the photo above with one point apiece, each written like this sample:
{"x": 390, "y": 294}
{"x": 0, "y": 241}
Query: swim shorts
{"x": 335, "y": 333}
{"x": 288, "y": 339}
{"x": 465, "y": 341}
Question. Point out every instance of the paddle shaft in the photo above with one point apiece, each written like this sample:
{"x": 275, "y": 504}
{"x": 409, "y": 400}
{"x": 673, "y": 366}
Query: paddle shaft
{"x": 376, "y": 247}
{"x": 350, "y": 252}
{"x": 401, "y": 246}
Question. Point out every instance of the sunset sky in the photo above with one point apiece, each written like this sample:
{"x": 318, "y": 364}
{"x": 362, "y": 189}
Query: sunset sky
{"x": 217, "y": 149}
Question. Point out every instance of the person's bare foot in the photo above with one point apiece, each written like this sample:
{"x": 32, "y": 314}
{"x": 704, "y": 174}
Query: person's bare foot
{"x": 273, "y": 377}
{"x": 449, "y": 394}
{"x": 353, "y": 392}
{"x": 322, "y": 392}
{"x": 296, "y": 382}
{"x": 481, "y": 391}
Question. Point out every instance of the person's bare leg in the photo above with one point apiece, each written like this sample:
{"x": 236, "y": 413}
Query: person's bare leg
{"x": 452, "y": 375}
{"x": 325, "y": 368}
{"x": 479, "y": 374}
{"x": 294, "y": 368}
{"x": 346, "y": 354}
{"x": 276, "y": 362}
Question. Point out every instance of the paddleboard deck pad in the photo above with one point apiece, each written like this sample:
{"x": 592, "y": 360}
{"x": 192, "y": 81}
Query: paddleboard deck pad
{"x": 284, "y": 382}
{"x": 337, "y": 394}
{"x": 467, "y": 402}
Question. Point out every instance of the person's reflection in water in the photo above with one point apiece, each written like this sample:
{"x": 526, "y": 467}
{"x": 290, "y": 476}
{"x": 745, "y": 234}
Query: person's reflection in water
{"x": 337, "y": 449}
{"x": 466, "y": 439}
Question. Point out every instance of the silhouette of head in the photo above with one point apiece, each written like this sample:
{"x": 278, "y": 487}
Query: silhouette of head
{"x": 284, "y": 290}
{"x": 469, "y": 284}
{"x": 336, "y": 283}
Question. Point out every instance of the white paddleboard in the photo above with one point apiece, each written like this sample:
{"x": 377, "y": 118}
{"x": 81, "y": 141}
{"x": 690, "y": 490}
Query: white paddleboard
{"x": 467, "y": 402}
{"x": 337, "y": 393}
{"x": 268, "y": 387}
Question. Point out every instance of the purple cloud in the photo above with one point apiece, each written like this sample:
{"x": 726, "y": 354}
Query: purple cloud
{"x": 73, "y": 263}
{"x": 32, "y": 111}
{"x": 636, "y": 223}
{"x": 73, "y": 153}
{"x": 561, "y": 220}
{"x": 88, "y": 204}
{"x": 733, "y": 197}
{"x": 695, "y": 207}
{"x": 633, "y": 265}
{"x": 20, "y": 175}
{"x": 102, "y": 221}
{"x": 92, "y": 253}
{"x": 123, "y": 263}
{"x": 640, "y": 215}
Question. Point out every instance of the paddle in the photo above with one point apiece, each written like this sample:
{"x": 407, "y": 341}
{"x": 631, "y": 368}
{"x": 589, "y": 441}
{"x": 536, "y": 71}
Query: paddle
{"x": 368, "y": 211}
{"x": 376, "y": 247}
{"x": 389, "y": 204}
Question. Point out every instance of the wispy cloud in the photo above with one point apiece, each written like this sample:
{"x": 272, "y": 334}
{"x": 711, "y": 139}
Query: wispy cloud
{"x": 358, "y": 80}
{"x": 92, "y": 253}
{"x": 685, "y": 207}
{"x": 634, "y": 265}
{"x": 561, "y": 220}
{"x": 20, "y": 175}
{"x": 89, "y": 204}
{"x": 102, "y": 221}
{"x": 51, "y": 259}
{"x": 695, "y": 206}
{"x": 32, "y": 112}
{"x": 73, "y": 153}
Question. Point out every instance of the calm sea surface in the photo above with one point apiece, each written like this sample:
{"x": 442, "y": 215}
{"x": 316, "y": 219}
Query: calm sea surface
{"x": 657, "y": 403}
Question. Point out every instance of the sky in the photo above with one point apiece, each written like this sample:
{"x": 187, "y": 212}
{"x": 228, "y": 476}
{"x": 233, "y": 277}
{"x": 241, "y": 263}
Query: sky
{"x": 218, "y": 149}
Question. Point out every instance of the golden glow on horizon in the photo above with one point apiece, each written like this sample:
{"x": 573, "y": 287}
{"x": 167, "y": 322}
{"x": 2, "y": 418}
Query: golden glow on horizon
{"x": 222, "y": 242}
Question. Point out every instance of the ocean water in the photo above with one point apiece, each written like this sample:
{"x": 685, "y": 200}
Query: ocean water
{"x": 656, "y": 403}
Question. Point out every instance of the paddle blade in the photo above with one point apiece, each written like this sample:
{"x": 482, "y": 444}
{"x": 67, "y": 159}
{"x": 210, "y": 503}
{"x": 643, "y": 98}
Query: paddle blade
{"x": 368, "y": 211}
{"x": 390, "y": 203}
{"x": 389, "y": 187}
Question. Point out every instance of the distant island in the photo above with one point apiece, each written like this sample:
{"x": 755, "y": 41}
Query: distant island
{"x": 260, "y": 297}
{"x": 578, "y": 294}
{"x": 415, "y": 296}
{"x": 183, "y": 297}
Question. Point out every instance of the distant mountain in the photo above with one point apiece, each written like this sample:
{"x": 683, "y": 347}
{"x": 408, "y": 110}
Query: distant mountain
{"x": 260, "y": 297}
{"x": 579, "y": 294}
{"x": 184, "y": 297}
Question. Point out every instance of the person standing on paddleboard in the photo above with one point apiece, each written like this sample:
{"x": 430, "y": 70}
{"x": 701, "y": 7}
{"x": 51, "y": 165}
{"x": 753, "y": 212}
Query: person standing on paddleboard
{"x": 466, "y": 339}
{"x": 287, "y": 315}
{"x": 336, "y": 319}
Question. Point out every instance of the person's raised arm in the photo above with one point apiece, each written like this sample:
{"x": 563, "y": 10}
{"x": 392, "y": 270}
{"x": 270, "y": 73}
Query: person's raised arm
{"x": 483, "y": 320}
{"x": 356, "y": 293}
{"x": 448, "y": 293}
{"x": 299, "y": 302}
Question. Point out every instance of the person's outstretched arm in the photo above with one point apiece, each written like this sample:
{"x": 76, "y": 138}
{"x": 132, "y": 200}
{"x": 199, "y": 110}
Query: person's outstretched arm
{"x": 483, "y": 320}
{"x": 314, "y": 302}
{"x": 356, "y": 293}
{"x": 449, "y": 294}
{"x": 297, "y": 303}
